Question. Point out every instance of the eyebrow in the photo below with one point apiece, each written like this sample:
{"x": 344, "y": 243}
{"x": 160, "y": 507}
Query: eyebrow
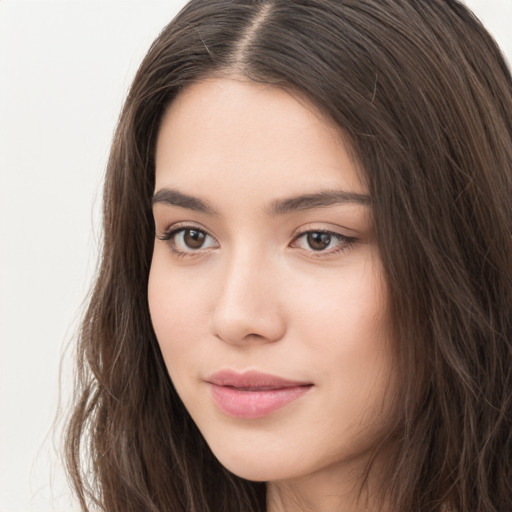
{"x": 173, "y": 197}
{"x": 317, "y": 200}
{"x": 320, "y": 199}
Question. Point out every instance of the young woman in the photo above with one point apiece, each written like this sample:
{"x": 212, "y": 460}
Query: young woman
{"x": 305, "y": 294}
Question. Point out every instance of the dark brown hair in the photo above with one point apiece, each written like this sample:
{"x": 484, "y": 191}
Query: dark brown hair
{"x": 425, "y": 99}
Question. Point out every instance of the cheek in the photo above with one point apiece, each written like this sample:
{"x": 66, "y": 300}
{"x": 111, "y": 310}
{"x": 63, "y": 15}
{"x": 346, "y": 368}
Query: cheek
{"x": 346, "y": 324}
{"x": 351, "y": 306}
{"x": 177, "y": 309}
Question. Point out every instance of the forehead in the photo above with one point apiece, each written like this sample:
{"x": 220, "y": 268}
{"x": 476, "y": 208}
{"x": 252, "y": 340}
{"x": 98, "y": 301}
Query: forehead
{"x": 232, "y": 134}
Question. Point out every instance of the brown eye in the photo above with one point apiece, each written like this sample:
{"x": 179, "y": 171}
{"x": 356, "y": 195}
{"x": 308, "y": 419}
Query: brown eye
{"x": 189, "y": 241}
{"x": 323, "y": 243}
{"x": 318, "y": 240}
{"x": 193, "y": 238}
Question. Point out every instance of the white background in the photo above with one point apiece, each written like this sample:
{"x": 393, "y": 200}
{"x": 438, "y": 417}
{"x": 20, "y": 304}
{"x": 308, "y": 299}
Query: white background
{"x": 65, "y": 67}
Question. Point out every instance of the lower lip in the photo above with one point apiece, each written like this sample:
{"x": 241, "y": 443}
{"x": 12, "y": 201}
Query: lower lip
{"x": 254, "y": 404}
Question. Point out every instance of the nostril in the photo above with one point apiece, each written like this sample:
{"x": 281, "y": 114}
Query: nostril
{"x": 239, "y": 326}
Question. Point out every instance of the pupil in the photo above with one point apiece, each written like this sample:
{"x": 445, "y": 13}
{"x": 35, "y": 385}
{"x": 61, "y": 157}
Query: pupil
{"x": 319, "y": 241}
{"x": 194, "y": 239}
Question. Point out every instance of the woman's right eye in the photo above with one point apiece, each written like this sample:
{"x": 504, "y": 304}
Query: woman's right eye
{"x": 189, "y": 240}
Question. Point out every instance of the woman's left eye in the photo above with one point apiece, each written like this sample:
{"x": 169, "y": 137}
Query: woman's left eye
{"x": 322, "y": 241}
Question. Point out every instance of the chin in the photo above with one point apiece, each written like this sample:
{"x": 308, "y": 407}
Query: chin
{"x": 256, "y": 467}
{"x": 258, "y": 473}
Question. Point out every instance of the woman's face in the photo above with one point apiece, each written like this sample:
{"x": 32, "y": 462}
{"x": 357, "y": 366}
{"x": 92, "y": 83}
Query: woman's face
{"x": 266, "y": 290}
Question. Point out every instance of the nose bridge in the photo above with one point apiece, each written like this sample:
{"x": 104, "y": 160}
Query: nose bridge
{"x": 247, "y": 306}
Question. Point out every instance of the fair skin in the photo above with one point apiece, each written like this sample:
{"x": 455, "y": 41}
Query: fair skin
{"x": 246, "y": 282}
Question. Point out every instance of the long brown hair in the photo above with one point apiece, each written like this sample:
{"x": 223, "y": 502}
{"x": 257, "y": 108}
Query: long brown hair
{"x": 425, "y": 98}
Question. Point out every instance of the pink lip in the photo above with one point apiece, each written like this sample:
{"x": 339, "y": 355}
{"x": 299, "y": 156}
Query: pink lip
{"x": 253, "y": 394}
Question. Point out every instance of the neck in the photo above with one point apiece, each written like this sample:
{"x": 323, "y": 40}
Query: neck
{"x": 341, "y": 490}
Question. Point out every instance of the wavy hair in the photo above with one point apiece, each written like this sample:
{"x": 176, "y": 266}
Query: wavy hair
{"x": 424, "y": 97}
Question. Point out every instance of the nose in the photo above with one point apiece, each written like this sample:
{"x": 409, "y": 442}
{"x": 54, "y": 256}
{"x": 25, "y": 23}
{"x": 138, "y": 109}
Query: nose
{"x": 247, "y": 309}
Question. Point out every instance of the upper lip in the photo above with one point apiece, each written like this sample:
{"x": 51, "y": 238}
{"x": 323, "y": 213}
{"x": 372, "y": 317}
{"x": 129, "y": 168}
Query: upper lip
{"x": 252, "y": 380}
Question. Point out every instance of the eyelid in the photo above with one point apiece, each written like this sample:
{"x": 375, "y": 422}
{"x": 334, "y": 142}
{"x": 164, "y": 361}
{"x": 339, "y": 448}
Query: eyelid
{"x": 324, "y": 227}
{"x": 176, "y": 226}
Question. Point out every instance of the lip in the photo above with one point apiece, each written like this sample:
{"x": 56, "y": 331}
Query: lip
{"x": 252, "y": 394}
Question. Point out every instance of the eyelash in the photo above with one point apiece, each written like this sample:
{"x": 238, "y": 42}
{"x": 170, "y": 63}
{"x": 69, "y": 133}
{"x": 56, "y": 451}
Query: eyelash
{"x": 345, "y": 242}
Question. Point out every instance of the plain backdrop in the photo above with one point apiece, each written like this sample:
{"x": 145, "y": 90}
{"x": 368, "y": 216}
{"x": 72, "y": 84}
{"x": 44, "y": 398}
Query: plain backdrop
{"x": 65, "y": 67}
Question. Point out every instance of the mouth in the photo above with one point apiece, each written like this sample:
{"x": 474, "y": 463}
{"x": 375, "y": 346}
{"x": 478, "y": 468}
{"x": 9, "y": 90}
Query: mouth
{"x": 253, "y": 395}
